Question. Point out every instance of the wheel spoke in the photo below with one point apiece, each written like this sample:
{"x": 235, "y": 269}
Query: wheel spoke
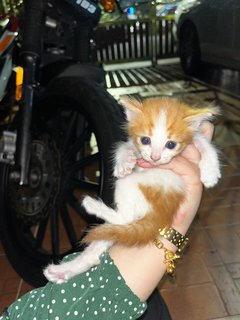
{"x": 54, "y": 232}
{"x": 41, "y": 233}
{"x": 76, "y": 205}
{"x": 83, "y": 162}
{"x": 68, "y": 225}
{"x": 86, "y": 185}
{"x": 78, "y": 144}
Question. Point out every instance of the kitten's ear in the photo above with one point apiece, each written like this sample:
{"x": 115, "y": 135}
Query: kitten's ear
{"x": 132, "y": 107}
{"x": 196, "y": 116}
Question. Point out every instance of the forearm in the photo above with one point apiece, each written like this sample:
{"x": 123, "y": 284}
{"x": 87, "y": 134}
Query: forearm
{"x": 143, "y": 267}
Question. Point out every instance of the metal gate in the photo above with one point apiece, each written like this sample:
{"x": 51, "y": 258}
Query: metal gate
{"x": 132, "y": 40}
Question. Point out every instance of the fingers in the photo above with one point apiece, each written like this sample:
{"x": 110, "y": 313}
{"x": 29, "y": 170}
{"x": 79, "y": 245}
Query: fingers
{"x": 191, "y": 153}
{"x": 207, "y": 128}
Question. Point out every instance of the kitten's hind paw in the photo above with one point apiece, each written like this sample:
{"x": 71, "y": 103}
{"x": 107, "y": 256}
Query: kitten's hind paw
{"x": 57, "y": 273}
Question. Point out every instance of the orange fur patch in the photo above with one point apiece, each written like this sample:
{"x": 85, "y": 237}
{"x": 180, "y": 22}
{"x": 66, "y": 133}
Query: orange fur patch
{"x": 164, "y": 206}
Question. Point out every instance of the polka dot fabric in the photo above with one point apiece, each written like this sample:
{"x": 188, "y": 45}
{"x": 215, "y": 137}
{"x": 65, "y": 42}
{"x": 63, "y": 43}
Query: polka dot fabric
{"x": 100, "y": 293}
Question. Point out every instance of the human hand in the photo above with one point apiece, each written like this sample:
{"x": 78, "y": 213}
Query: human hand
{"x": 186, "y": 166}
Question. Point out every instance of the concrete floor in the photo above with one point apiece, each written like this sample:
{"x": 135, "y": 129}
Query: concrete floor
{"x": 207, "y": 283}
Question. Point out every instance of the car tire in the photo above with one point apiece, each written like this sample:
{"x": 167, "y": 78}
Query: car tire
{"x": 189, "y": 50}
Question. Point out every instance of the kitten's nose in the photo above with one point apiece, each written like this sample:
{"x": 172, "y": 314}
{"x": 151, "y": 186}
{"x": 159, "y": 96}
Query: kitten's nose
{"x": 155, "y": 157}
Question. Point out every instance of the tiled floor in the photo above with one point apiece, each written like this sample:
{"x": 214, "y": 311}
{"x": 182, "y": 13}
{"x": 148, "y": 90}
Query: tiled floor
{"x": 207, "y": 284}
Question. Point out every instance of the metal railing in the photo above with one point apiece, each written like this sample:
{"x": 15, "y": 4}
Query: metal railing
{"x": 132, "y": 40}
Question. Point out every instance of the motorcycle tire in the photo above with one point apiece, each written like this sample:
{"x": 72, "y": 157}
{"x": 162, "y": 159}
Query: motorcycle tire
{"x": 75, "y": 126}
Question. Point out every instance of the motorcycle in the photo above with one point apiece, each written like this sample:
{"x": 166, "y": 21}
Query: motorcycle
{"x": 58, "y": 127}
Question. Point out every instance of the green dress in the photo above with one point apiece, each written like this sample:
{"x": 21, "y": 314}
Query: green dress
{"x": 100, "y": 293}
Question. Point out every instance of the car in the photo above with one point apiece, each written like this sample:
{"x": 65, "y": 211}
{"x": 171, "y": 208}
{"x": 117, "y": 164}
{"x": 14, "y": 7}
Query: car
{"x": 208, "y": 32}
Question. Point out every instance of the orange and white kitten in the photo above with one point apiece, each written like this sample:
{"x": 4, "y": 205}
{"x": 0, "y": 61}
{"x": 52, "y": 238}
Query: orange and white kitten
{"x": 146, "y": 199}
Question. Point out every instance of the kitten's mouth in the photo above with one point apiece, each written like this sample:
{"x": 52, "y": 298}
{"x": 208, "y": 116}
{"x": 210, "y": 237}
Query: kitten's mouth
{"x": 158, "y": 162}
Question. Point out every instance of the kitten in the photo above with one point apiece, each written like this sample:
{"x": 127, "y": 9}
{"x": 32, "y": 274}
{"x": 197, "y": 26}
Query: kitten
{"x": 146, "y": 199}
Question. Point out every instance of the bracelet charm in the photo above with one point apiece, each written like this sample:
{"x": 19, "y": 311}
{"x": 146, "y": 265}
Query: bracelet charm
{"x": 169, "y": 257}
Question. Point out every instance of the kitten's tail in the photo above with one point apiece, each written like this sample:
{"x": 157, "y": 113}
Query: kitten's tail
{"x": 139, "y": 232}
{"x": 144, "y": 230}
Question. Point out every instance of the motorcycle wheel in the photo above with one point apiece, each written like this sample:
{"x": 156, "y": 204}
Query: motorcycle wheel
{"x": 74, "y": 128}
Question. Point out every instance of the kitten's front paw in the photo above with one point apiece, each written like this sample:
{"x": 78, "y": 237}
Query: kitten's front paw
{"x": 91, "y": 205}
{"x": 210, "y": 177}
{"x": 125, "y": 166}
{"x": 58, "y": 273}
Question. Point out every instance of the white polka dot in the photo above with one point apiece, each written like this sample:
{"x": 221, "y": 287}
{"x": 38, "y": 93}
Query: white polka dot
{"x": 130, "y": 303}
{"x": 104, "y": 298}
{"x": 75, "y": 313}
{"x": 87, "y": 274}
{"x": 74, "y": 285}
{"x": 50, "y": 311}
{"x": 68, "y": 313}
{"x": 56, "y": 318}
{"x": 103, "y": 309}
{"x": 82, "y": 286}
{"x": 95, "y": 313}
{"x": 119, "y": 278}
{"x": 92, "y": 285}
{"x": 17, "y": 307}
{"x": 64, "y": 300}
{"x": 87, "y": 301}
{"x": 74, "y": 299}
{"x": 93, "y": 299}
{"x": 62, "y": 291}
{"x": 89, "y": 279}
{"x": 53, "y": 301}
{"x": 31, "y": 305}
{"x": 42, "y": 295}
{"x": 100, "y": 278}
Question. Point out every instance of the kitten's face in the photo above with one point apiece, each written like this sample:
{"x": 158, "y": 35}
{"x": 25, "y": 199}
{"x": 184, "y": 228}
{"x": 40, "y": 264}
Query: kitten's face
{"x": 162, "y": 127}
{"x": 158, "y": 144}
{"x": 158, "y": 129}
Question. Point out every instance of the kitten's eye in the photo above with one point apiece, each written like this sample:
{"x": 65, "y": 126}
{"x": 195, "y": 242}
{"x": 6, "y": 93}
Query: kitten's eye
{"x": 145, "y": 140}
{"x": 170, "y": 144}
